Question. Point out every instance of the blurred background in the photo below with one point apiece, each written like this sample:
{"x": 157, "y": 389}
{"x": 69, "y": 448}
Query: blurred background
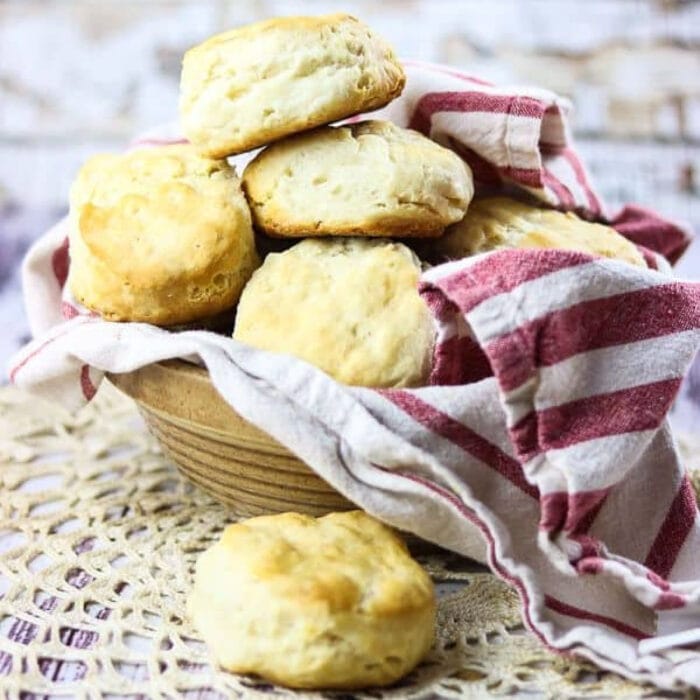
{"x": 81, "y": 76}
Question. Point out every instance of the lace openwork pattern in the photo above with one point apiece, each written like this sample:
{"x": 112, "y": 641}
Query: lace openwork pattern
{"x": 98, "y": 540}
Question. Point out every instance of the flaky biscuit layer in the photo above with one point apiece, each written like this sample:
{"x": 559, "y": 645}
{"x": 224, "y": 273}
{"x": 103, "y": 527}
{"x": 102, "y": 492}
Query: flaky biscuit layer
{"x": 349, "y": 306}
{"x": 371, "y": 178}
{"x": 257, "y": 83}
{"x": 334, "y": 602}
{"x": 500, "y": 222}
{"x": 161, "y": 235}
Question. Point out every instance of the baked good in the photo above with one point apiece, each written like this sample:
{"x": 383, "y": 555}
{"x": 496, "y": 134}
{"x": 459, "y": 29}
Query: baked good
{"x": 258, "y": 83}
{"x": 500, "y": 222}
{"x": 333, "y": 602}
{"x": 349, "y": 306}
{"x": 371, "y": 178}
{"x": 161, "y": 235}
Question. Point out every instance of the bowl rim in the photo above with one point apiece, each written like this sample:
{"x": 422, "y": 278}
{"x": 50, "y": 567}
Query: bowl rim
{"x": 182, "y": 390}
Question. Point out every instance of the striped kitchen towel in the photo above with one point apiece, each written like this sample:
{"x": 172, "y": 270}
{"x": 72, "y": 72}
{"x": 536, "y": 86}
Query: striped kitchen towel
{"x": 542, "y": 446}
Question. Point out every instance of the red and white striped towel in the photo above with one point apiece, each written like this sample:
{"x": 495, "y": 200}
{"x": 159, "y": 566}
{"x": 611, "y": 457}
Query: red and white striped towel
{"x": 543, "y": 445}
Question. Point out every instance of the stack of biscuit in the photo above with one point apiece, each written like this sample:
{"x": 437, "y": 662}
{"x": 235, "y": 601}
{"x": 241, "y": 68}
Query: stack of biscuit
{"x": 167, "y": 235}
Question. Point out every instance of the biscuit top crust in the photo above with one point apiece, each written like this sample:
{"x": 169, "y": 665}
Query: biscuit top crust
{"x": 339, "y": 563}
{"x": 500, "y": 222}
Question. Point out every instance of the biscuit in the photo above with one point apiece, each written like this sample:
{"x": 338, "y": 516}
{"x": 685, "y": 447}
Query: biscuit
{"x": 349, "y": 306}
{"x": 500, "y": 222}
{"x": 255, "y": 84}
{"x": 371, "y": 178}
{"x": 333, "y": 602}
{"x": 161, "y": 235}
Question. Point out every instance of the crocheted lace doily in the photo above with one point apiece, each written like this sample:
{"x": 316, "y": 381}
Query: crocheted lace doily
{"x": 98, "y": 540}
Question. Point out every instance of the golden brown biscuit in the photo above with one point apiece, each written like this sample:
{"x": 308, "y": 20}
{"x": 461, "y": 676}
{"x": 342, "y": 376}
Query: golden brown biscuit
{"x": 161, "y": 235}
{"x": 255, "y": 84}
{"x": 334, "y": 602}
{"x": 500, "y": 222}
{"x": 371, "y": 178}
{"x": 348, "y": 306}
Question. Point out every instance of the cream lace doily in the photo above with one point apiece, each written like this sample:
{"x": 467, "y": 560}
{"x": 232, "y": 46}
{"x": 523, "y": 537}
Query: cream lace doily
{"x": 98, "y": 540}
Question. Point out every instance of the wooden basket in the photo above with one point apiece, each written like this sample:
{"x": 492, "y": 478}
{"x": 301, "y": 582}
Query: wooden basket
{"x": 218, "y": 450}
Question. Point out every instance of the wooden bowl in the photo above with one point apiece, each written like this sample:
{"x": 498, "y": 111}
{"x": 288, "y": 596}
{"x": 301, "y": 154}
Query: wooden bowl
{"x": 218, "y": 450}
